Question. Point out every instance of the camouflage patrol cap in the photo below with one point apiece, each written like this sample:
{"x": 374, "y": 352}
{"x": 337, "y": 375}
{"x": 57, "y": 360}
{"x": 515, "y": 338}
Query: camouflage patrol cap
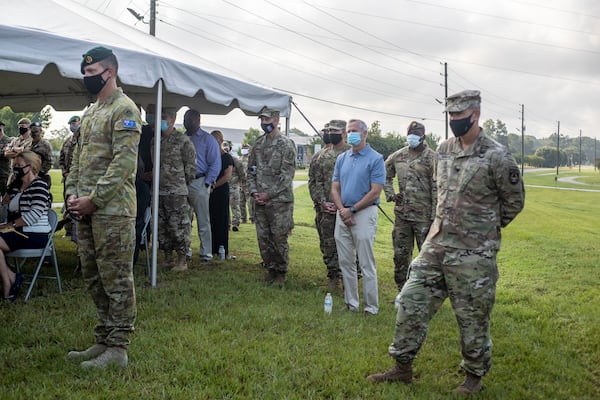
{"x": 74, "y": 118}
{"x": 269, "y": 113}
{"x": 24, "y": 121}
{"x": 94, "y": 55}
{"x": 462, "y": 100}
{"x": 337, "y": 124}
{"x": 415, "y": 128}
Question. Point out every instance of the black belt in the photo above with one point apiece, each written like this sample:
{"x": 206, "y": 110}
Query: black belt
{"x": 200, "y": 176}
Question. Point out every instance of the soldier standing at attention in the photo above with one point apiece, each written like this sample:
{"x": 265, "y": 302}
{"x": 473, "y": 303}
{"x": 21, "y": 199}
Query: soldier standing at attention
{"x": 236, "y": 185}
{"x": 4, "y": 161}
{"x": 480, "y": 191}
{"x": 101, "y": 193}
{"x": 244, "y": 194}
{"x": 271, "y": 168}
{"x": 320, "y": 173}
{"x": 177, "y": 171}
{"x": 42, "y": 148}
{"x": 414, "y": 166}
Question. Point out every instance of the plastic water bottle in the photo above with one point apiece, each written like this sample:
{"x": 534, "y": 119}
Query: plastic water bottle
{"x": 397, "y": 302}
{"x": 221, "y": 252}
{"x": 328, "y": 304}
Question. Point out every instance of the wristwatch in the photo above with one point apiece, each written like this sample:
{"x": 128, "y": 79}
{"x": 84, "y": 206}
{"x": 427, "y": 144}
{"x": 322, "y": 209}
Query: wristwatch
{"x": 353, "y": 210}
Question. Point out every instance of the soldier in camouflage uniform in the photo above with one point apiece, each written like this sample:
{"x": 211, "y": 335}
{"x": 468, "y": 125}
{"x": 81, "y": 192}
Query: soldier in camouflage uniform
{"x": 177, "y": 170}
{"x": 320, "y": 173}
{"x": 4, "y": 161}
{"x": 236, "y": 185}
{"x": 480, "y": 191}
{"x": 64, "y": 162}
{"x": 42, "y": 148}
{"x": 271, "y": 168}
{"x": 245, "y": 198}
{"x": 101, "y": 193}
{"x": 414, "y": 166}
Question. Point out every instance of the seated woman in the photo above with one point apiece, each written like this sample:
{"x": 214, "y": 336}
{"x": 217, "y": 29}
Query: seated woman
{"x": 28, "y": 200}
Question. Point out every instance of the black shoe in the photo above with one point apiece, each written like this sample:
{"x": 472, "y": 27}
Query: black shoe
{"x": 16, "y": 286}
{"x": 235, "y": 229}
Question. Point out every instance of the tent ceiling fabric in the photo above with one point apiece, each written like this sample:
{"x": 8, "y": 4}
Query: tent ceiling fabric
{"x": 42, "y": 66}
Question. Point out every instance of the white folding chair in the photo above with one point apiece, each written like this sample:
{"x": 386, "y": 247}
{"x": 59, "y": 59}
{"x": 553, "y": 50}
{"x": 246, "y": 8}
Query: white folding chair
{"x": 145, "y": 240}
{"x": 21, "y": 256}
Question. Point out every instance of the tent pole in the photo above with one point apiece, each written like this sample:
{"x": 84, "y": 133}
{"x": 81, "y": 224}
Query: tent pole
{"x": 156, "y": 180}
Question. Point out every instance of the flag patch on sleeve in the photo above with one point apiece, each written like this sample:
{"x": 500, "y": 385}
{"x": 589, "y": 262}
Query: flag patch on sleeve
{"x": 128, "y": 123}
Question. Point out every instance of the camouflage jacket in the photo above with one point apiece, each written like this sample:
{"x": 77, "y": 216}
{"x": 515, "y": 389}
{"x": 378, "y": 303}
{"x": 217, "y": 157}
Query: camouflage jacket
{"x": 105, "y": 157}
{"x": 417, "y": 193}
{"x": 66, "y": 154}
{"x": 320, "y": 172}
{"x": 19, "y": 141}
{"x": 4, "y": 161}
{"x": 480, "y": 190}
{"x": 271, "y": 167}
{"x": 177, "y": 164}
{"x": 43, "y": 148}
{"x": 238, "y": 176}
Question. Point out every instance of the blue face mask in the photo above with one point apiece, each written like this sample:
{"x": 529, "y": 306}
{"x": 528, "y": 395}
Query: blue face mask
{"x": 413, "y": 140}
{"x": 150, "y": 118}
{"x": 354, "y": 138}
{"x": 164, "y": 125}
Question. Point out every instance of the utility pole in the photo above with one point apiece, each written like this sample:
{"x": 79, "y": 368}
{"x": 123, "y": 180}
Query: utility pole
{"x": 522, "y": 138}
{"x": 446, "y": 95}
{"x": 557, "y": 148}
{"x": 580, "y": 150}
{"x": 153, "y": 17}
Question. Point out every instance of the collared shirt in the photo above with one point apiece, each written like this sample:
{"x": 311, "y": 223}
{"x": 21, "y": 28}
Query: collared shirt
{"x": 356, "y": 171}
{"x": 208, "y": 155}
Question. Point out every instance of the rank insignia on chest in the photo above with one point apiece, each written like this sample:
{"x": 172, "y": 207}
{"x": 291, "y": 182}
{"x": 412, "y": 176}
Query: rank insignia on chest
{"x": 128, "y": 123}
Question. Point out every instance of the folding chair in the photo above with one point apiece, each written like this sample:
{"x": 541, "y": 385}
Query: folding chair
{"x": 144, "y": 239}
{"x": 21, "y": 256}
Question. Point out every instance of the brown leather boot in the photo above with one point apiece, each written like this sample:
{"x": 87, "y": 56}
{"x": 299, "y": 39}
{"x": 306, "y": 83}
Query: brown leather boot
{"x": 471, "y": 385}
{"x": 399, "y": 373}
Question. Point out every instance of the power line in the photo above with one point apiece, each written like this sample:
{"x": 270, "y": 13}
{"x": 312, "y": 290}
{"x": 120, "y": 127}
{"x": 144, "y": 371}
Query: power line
{"x": 466, "y": 32}
{"x": 461, "y": 10}
{"x": 354, "y": 56}
{"x": 556, "y": 9}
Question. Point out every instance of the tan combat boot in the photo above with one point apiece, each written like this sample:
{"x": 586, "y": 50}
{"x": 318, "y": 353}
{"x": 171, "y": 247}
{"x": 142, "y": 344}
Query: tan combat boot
{"x": 89, "y": 353}
{"x": 399, "y": 373}
{"x": 471, "y": 385}
{"x": 116, "y": 356}
{"x": 181, "y": 264}
{"x": 279, "y": 280}
{"x": 168, "y": 260}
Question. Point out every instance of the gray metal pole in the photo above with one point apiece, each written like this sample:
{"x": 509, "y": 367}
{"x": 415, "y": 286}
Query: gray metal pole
{"x": 446, "y": 95}
{"x": 580, "y": 150}
{"x": 153, "y": 18}
{"x": 522, "y": 138}
{"x": 557, "y": 148}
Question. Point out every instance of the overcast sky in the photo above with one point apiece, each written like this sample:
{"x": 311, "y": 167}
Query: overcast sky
{"x": 383, "y": 60}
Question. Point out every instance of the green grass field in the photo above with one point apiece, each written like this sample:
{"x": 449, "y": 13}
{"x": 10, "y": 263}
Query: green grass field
{"x": 216, "y": 332}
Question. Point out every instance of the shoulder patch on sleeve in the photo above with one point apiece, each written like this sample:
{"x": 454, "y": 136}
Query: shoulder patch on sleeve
{"x": 129, "y": 124}
{"x": 514, "y": 176}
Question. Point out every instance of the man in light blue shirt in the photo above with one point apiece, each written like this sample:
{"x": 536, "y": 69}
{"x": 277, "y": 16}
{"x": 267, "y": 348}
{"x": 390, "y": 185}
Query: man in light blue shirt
{"x": 208, "y": 166}
{"x": 358, "y": 179}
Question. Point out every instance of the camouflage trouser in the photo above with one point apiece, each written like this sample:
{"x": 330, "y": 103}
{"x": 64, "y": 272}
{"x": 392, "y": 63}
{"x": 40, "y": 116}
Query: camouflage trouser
{"x": 325, "y": 224}
{"x": 403, "y": 238}
{"x": 105, "y": 244}
{"x": 274, "y": 223}
{"x": 234, "y": 203}
{"x": 174, "y": 223}
{"x": 468, "y": 278}
{"x": 3, "y": 184}
{"x": 245, "y": 198}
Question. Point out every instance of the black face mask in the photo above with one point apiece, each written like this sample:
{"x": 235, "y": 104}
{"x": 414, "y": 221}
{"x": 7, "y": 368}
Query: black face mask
{"x": 189, "y": 126}
{"x": 267, "y": 128}
{"x": 326, "y": 138}
{"x": 95, "y": 83}
{"x": 461, "y": 126}
{"x": 22, "y": 130}
{"x": 335, "y": 138}
{"x": 19, "y": 172}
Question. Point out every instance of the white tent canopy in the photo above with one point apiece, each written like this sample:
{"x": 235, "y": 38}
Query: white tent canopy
{"x": 41, "y": 66}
